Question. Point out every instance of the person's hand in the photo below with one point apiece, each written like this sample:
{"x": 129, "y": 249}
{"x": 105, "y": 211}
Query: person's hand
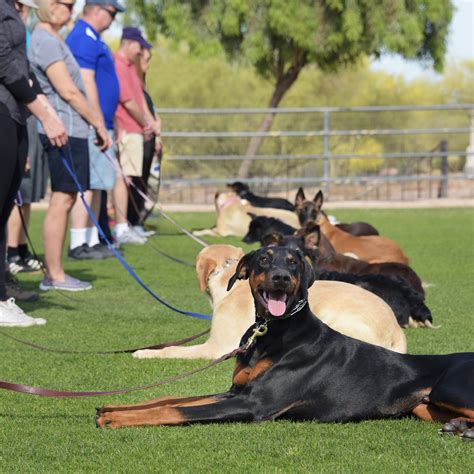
{"x": 158, "y": 145}
{"x": 148, "y": 132}
{"x": 27, "y": 164}
{"x": 103, "y": 140}
{"x": 54, "y": 129}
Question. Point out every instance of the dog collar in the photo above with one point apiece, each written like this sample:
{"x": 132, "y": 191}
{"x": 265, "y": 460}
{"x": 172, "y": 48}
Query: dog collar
{"x": 298, "y": 306}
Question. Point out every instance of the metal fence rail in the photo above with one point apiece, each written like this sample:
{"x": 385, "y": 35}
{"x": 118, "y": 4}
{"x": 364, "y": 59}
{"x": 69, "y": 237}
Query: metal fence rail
{"x": 410, "y": 166}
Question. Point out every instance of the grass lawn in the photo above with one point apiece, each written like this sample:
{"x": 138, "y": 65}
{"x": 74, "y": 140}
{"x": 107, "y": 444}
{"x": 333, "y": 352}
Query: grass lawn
{"x": 46, "y": 434}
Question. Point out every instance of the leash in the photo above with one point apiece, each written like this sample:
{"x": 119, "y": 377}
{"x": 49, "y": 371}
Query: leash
{"x": 117, "y": 253}
{"x": 148, "y": 199}
{"x": 46, "y": 392}
{"x": 162, "y": 345}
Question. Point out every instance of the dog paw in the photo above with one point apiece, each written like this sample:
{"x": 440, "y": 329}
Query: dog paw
{"x": 145, "y": 354}
{"x": 458, "y": 427}
{"x": 106, "y": 420}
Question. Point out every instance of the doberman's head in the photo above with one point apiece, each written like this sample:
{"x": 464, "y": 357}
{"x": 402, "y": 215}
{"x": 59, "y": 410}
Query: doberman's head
{"x": 308, "y": 211}
{"x": 239, "y": 187}
{"x": 279, "y": 278}
{"x": 307, "y": 240}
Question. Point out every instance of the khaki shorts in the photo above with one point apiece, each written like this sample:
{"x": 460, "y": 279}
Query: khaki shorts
{"x": 130, "y": 148}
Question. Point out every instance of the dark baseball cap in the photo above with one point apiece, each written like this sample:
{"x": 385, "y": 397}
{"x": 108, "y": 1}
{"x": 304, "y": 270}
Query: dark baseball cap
{"x": 112, "y": 3}
{"x": 134, "y": 34}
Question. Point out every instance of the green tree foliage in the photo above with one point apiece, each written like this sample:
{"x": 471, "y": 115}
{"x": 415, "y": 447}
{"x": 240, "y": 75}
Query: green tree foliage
{"x": 177, "y": 79}
{"x": 280, "y": 37}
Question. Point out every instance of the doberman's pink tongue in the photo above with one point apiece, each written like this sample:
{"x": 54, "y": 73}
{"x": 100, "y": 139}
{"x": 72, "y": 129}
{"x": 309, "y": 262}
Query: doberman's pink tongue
{"x": 276, "y": 305}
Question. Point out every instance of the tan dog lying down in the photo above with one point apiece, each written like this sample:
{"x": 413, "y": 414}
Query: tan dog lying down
{"x": 233, "y": 219}
{"x": 346, "y": 308}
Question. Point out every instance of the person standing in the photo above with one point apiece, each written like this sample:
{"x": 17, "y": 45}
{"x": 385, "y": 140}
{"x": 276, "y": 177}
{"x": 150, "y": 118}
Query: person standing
{"x": 102, "y": 88}
{"x": 18, "y": 92}
{"x": 60, "y": 78}
{"x": 134, "y": 124}
{"x": 151, "y": 148}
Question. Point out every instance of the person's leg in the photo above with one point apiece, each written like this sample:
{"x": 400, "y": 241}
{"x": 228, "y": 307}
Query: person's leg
{"x": 54, "y": 232}
{"x": 130, "y": 149}
{"x": 79, "y": 221}
{"x": 14, "y": 146}
{"x": 104, "y": 217}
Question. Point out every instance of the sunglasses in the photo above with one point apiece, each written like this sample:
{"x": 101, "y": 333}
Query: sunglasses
{"x": 69, "y": 6}
{"x": 112, "y": 13}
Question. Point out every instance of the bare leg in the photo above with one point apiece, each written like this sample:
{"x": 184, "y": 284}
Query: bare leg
{"x": 120, "y": 200}
{"x": 79, "y": 216}
{"x": 54, "y": 232}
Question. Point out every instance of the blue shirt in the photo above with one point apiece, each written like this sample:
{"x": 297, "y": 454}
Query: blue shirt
{"x": 92, "y": 53}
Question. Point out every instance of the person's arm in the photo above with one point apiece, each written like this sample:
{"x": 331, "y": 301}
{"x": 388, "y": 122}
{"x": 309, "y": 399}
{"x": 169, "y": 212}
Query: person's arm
{"x": 88, "y": 77}
{"x": 52, "y": 124}
{"x": 62, "y": 82}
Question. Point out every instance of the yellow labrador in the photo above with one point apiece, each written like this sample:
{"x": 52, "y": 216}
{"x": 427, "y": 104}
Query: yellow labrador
{"x": 346, "y": 308}
{"x": 233, "y": 219}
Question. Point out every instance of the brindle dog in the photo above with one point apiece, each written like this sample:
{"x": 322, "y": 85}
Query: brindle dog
{"x": 296, "y": 367}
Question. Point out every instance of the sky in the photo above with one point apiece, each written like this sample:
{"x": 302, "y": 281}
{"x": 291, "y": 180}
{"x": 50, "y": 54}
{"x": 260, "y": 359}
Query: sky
{"x": 460, "y": 43}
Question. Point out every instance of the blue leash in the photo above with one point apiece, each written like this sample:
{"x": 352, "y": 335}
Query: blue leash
{"x": 127, "y": 267}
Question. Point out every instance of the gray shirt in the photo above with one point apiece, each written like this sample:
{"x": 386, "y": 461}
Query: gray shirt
{"x": 46, "y": 49}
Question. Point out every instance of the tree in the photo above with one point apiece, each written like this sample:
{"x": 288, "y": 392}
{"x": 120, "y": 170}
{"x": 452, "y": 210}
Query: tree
{"x": 280, "y": 37}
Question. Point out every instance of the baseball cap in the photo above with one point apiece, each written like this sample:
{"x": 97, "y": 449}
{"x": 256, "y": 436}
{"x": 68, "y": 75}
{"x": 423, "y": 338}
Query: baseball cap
{"x": 28, "y": 3}
{"x": 134, "y": 34}
{"x": 113, "y": 3}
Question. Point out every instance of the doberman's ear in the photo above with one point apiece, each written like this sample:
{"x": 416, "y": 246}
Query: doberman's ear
{"x": 300, "y": 198}
{"x": 307, "y": 275}
{"x": 312, "y": 235}
{"x": 204, "y": 267}
{"x": 318, "y": 200}
{"x": 242, "y": 270}
{"x": 252, "y": 215}
{"x": 274, "y": 238}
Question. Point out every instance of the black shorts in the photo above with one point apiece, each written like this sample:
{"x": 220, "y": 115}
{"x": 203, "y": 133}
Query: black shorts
{"x": 76, "y": 153}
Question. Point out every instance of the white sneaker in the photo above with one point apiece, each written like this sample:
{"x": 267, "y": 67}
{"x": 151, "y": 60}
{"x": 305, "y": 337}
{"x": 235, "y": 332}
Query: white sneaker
{"x": 12, "y": 315}
{"x": 130, "y": 237}
{"x": 140, "y": 230}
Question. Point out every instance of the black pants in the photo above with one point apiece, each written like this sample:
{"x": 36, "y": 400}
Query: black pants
{"x": 136, "y": 204}
{"x": 13, "y": 153}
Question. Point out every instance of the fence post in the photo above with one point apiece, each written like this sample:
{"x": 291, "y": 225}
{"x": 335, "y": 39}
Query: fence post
{"x": 326, "y": 153}
{"x": 443, "y": 167}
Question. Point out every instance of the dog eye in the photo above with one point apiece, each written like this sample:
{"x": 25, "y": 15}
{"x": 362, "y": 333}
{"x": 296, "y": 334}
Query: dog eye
{"x": 264, "y": 260}
{"x": 291, "y": 262}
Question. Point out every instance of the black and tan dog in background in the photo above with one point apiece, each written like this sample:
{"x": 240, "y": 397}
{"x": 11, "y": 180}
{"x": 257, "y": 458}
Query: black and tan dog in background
{"x": 300, "y": 369}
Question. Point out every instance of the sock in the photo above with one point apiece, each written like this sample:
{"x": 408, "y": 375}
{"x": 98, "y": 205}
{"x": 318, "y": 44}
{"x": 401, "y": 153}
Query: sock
{"x": 78, "y": 237}
{"x": 23, "y": 250}
{"x": 12, "y": 252}
{"x": 92, "y": 236}
{"x": 121, "y": 228}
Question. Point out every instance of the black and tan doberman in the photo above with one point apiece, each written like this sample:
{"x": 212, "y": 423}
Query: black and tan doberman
{"x": 298, "y": 368}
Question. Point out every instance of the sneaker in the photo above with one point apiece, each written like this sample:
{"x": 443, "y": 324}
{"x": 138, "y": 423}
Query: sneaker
{"x": 32, "y": 263}
{"x": 69, "y": 284}
{"x": 130, "y": 237}
{"x": 84, "y": 252}
{"x": 104, "y": 250}
{"x": 14, "y": 290}
{"x": 12, "y": 315}
{"x": 140, "y": 230}
{"x": 16, "y": 264}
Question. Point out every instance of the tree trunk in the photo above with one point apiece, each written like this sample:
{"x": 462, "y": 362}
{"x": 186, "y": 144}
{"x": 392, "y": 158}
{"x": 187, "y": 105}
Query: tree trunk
{"x": 284, "y": 82}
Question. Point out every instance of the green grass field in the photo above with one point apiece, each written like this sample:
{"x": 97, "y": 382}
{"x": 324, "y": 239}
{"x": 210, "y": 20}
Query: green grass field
{"x": 49, "y": 435}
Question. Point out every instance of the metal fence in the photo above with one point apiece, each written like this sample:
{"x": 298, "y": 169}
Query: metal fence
{"x": 352, "y": 153}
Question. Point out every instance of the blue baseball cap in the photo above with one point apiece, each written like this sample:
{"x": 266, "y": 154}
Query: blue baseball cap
{"x": 112, "y": 3}
{"x": 134, "y": 34}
